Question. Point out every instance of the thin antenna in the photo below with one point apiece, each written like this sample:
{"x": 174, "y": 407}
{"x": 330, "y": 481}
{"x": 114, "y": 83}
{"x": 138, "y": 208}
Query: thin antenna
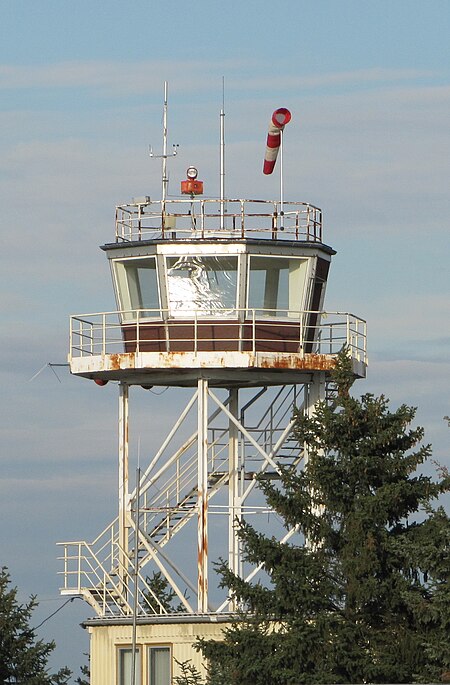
{"x": 50, "y": 366}
{"x": 222, "y": 157}
{"x": 165, "y": 180}
{"x": 164, "y": 156}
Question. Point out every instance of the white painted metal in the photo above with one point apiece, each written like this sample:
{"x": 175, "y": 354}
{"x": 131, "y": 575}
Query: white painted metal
{"x": 202, "y": 492}
{"x": 124, "y": 497}
{"x": 244, "y": 218}
{"x": 165, "y": 180}
{"x": 235, "y": 475}
{"x": 217, "y": 461}
{"x": 222, "y": 167}
{"x": 98, "y": 334}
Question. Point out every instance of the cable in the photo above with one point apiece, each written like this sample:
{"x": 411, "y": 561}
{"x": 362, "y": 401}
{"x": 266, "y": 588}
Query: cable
{"x": 55, "y": 612}
{"x": 159, "y": 393}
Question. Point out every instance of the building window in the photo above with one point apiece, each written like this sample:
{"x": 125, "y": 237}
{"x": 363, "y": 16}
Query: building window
{"x": 276, "y": 285}
{"x": 159, "y": 670}
{"x": 137, "y": 286}
{"x": 125, "y": 666}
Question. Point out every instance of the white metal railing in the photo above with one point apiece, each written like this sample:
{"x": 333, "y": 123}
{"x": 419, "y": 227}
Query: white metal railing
{"x": 201, "y": 217}
{"x": 95, "y": 570}
{"x": 241, "y": 330}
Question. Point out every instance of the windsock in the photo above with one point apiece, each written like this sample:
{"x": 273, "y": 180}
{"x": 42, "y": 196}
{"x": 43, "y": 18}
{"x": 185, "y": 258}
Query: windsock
{"x": 280, "y": 118}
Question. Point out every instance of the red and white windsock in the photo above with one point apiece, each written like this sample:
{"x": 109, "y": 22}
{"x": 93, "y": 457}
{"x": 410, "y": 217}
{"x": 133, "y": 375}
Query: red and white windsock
{"x": 280, "y": 118}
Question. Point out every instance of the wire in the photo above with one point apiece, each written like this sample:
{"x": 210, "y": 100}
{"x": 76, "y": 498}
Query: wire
{"x": 55, "y": 612}
{"x": 159, "y": 393}
{"x": 48, "y": 365}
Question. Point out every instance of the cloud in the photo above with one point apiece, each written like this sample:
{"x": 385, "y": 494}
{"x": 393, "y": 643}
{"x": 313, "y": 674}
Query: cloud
{"x": 129, "y": 77}
{"x": 112, "y": 78}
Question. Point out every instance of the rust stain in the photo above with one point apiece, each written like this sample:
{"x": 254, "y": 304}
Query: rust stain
{"x": 114, "y": 361}
{"x": 123, "y": 360}
{"x": 203, "y": 545}
{"x": 310, "y": 362}
{"x": 205, "y": 527}
{"x": 249, "y": 360}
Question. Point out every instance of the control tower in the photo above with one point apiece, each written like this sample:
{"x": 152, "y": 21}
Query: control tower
{"x": 225, "y": 298}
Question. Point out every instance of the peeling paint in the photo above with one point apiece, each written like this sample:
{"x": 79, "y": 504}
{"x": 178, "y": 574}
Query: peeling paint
{"x": 124, "y": 360}
{"x": 310, "y": 362}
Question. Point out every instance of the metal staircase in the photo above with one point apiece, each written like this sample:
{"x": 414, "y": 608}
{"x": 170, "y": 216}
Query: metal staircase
{"x": 106, "y": 575}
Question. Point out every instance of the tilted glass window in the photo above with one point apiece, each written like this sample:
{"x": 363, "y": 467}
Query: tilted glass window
{"x": 202, "y": 286}
{"x": 125, "y": 666}
{"x": 276, "y": 285}
{"x": 159, "y": 670}
{"x": 137, "y": 285}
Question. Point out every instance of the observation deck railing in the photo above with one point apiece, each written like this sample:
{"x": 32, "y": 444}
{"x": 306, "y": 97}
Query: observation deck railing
{"x": 239, "y": 330}
{"x": 203, "y": 218}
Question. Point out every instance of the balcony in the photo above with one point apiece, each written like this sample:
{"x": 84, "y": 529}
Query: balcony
{"x": 155, "y": 348}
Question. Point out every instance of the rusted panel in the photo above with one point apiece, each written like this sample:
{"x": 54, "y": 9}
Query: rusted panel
{"x": 113, "y": 366}
{"x": 125, "y": 360}
{"x": 309, "y": 362}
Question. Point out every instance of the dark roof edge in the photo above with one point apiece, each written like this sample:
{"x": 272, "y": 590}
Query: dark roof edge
{"x": 160, "y": 619}
{"x": 220, "y": 241}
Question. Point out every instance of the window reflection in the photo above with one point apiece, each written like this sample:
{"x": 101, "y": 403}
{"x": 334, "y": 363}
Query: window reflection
{"x": 200, "y": 285}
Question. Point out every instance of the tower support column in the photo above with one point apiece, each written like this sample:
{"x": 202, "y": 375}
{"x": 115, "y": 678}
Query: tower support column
{"x": 202, "y": 501}
{"x": 124, "y": 497}
{"x": 316, "y": 393}
{"x": 234, "y": 510}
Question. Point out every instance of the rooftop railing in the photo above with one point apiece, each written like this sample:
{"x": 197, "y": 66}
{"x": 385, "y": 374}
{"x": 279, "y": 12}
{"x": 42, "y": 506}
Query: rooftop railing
{"x": 211, "y": 218}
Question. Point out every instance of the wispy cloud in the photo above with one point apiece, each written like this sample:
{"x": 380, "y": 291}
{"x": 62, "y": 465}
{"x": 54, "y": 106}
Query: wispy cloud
{"x": 137, "y": 77}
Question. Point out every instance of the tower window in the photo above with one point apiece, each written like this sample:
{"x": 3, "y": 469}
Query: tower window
{"x": 137, "y": 287}
{"x": 276, "y": 285}
{"x": 202, "y": 285}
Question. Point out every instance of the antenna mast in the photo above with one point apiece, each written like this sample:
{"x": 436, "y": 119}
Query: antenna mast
{"x": 164, "y": 156}
{"x": 222, "y": 158}
{"x": 165, "y": 180}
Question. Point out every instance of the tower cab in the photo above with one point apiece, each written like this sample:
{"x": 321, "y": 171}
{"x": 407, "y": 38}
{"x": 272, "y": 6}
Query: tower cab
{"x": 197, "y": 279}
{"x": 219, "y": 289}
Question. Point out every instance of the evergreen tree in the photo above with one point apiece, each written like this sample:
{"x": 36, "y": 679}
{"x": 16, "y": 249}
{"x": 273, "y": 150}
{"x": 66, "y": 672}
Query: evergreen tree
{"x": 23, "y": 659}
{"x": 189, "y": 674}
{"x": 367, "y": 597}
{"x": 161, "y": 596}
{"x": 85, "y": 677}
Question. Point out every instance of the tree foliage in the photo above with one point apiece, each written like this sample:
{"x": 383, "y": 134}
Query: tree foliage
{"x": 23, "y": 658}
{"x": 364, "y": 595}
{"x": 85, "y": 677}
{"x": 160, "y": 596}
{"x": 189, "y": 674}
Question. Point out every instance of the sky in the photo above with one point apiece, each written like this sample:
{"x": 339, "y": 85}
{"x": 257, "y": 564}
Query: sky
{"x": 81, "y": 90}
